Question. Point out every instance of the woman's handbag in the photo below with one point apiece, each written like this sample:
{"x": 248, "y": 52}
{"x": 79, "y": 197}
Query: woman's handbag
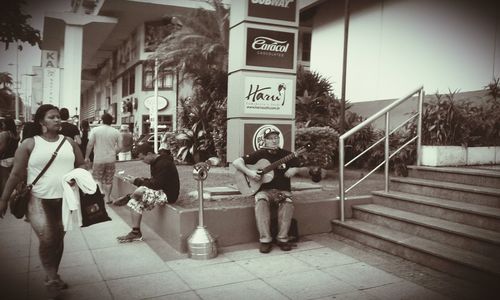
{"x": 93, "y": 208}
{"x": 18, "y": 201}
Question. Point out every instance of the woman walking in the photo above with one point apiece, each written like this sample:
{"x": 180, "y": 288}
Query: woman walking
{"x": 8, "y": 147}
{"x": 45, "y": 205}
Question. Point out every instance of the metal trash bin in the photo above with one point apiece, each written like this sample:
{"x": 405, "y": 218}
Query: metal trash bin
{"x": 201, "y": 244}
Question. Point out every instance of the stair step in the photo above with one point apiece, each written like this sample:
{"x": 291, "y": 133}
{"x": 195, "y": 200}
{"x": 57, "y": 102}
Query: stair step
{"x": 426, "y": 250}
{"x": 435, "y": 223}
{"x": 448, "y": 190}
{"x": 480, "y": 177}
{"x": 455, "y": 211}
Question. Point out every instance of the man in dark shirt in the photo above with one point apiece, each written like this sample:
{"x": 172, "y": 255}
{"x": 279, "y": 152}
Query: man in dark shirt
{"x": 276, "y": 192}
{"x": 160, "y": 189}
{"x": 68, "y": 129}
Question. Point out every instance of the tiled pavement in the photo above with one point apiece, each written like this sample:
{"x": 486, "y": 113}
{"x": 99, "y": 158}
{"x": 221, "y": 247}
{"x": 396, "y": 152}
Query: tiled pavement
{"x": 321, "y": 267}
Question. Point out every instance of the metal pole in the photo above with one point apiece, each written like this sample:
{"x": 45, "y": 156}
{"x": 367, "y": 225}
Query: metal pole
{"x": 17, "y": 84}
{"x": 344, "y": 67}
{"x": 341, "y": 178}
{"x": 421, "y": 96}
{"x": 155, "y": 108}
{"x": 387, "y": 135}
{"x": 200, "y": 198}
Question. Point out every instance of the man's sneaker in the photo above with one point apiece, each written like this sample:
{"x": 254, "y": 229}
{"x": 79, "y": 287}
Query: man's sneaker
{"x": 284, "y": 246}
{"x": 122, "y": 201}
{"x": 265, "y": 247}
{"x": 130, "y": 237}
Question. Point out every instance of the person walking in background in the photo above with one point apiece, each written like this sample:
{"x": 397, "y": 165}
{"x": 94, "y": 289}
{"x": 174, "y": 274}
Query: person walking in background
{"x": 45, "y": 205}
{"x": 277, "y": 192}
{"x": 8, "y": 146}
{"x": 104, "y": 141}
{"x": 160, "y": 189}
{"x": 85, "y": 129}
{"x": 68, "y": 129}
{"x": 126, "y": 142}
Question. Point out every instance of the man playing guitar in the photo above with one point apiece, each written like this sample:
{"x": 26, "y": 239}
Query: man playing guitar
{"x": 274, "y": 192}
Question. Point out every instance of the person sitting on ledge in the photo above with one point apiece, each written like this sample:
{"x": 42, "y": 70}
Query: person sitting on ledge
{"x": 160, "y": 189}
{"x": 277, "y": 192}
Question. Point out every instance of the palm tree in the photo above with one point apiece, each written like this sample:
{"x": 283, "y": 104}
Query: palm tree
{"x": 6, "y": 80}
{"x": 6, "y": 95}
{"x": 200, "y": 41}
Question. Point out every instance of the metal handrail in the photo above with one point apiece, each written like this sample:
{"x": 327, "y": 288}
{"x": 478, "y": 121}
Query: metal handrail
{"x": 385, "y": 111}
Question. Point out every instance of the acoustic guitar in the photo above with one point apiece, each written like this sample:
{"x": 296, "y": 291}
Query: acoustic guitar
{"x": 249, "y": 186}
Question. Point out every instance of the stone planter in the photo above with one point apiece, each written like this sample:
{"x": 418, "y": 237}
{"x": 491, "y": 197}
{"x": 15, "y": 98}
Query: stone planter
{"x": 437, "y": 156}
{"x": 480, "y": 155}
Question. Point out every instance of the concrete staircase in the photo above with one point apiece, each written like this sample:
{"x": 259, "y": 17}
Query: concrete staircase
{"x": 445, "y": 218}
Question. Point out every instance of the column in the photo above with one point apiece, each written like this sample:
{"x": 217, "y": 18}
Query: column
{"x": 262, "y": 74}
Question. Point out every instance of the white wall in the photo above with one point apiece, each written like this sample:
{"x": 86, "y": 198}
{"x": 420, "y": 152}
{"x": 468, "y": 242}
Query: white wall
{"x": 396, "y": 45}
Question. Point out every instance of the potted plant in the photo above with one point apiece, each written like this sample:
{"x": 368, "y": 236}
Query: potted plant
{"x": 461, "y": 133}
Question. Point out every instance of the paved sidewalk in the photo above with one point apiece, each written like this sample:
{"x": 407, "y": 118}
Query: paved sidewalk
{"x": 322, "y": 266}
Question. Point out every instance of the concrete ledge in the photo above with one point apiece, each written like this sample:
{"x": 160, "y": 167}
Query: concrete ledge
{"x": 234, "y": 225}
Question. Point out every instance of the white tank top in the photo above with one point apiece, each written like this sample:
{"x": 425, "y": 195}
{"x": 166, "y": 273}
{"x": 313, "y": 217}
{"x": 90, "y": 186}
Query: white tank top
{"x": 49, "y": 186}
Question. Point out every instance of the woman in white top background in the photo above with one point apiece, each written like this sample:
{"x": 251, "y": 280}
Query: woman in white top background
{"x": 45, "y": 205}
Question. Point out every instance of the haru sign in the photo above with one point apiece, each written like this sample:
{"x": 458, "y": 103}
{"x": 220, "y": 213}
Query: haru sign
{"x": 268, "y": 96}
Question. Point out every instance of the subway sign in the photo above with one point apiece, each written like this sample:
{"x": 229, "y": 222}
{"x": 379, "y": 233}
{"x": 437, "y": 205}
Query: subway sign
{"x": 284, "y": 10}
{"x": 270, "y": 48}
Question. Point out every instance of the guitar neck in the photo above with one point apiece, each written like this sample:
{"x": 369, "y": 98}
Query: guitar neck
{"x": 275, "y": 164}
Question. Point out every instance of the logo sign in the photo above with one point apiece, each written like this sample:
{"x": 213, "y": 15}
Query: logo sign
{"x": 268, "y": 95}
{"x": 51, "y": 86}
{"x": 254, "y": 136}
{"x": 266, "y": 48}
{"x": 258, "y": 137}
{"x": 49, "y": 59}
{"x": 149, "y": 102}
{"x": 273, "y": 9}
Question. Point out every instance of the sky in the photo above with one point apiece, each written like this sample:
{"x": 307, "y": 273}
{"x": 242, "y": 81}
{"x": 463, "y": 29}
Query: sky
{"x": 30, "y": 56}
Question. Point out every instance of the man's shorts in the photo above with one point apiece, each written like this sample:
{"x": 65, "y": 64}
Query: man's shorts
{"x": 274, "y": 196}
{"x": 149, "y": 200}
{"x": 104, "y": 172}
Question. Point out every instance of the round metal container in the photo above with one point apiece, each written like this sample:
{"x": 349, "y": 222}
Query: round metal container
{"x": 201, "y": 244}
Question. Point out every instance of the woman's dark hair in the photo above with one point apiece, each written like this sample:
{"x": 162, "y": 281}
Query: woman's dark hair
{"x": 107, "y": 119}
{"x": 84, "y": 125}
{"x": 9, "y": 125}
{"x": 29, "y": 130}
{"x": 40, "y": 115}
{"x": 64, "y": 113}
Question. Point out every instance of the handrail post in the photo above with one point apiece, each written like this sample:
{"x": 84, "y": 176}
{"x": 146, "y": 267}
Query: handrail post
{"x": 386, "y": 155}
{"x": 341, "y": 178}
{"x": 421, "y": 96}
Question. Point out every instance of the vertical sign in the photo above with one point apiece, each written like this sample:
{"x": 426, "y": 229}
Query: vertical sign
{"x": 51, "y": 86}
{"x": 51, "y": 77}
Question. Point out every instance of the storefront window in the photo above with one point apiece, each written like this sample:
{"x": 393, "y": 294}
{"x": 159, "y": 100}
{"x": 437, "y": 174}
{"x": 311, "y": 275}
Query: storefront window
{"x": 165, "y": 77}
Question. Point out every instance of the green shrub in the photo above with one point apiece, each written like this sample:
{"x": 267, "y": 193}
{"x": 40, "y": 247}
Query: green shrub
{"x": 325, "y": 145}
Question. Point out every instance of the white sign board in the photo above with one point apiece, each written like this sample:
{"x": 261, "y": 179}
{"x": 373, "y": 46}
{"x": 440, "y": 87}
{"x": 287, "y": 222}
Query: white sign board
{"x": 51, "y": 86}
{"x": 263, "y": 95}
{"x": 149, "y": 103}
{"x": 49, "y": 59}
